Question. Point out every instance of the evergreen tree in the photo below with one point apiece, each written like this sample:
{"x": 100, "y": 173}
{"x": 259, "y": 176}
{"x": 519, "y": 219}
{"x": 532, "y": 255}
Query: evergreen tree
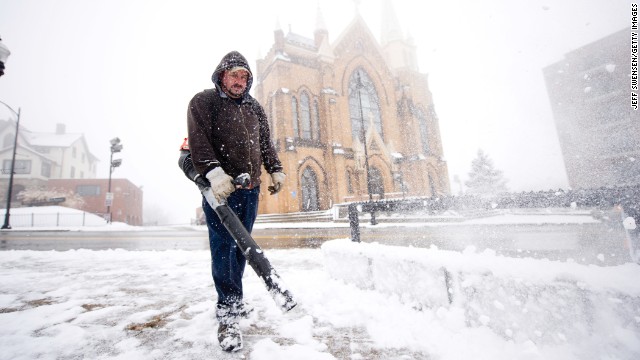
{"x": 484, "y": 179}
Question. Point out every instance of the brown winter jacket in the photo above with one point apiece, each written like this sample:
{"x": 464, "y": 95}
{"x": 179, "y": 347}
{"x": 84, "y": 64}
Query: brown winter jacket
{"x": 227, "y": 134}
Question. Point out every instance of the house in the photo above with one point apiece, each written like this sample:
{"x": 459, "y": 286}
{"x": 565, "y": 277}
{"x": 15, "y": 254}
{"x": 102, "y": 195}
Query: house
{"x": 61, "y": 163}
{"x": 42, "y": 156}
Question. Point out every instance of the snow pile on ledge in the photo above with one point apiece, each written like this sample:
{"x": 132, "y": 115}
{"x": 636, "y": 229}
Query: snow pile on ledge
{"x": 523, "y": 300}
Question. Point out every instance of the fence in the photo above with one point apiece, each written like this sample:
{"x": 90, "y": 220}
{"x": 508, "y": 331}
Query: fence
{"x": 58, "y": 219}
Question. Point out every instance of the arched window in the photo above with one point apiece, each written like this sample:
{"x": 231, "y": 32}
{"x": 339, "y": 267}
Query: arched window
{"x": 424, "y": 131}
{"x": 305, "y": 116}
{"x": 294, "y": 115}
{"x": 309, "y": 184}
{"x": 315, "y": 118}
{"x": 364, "y": 106}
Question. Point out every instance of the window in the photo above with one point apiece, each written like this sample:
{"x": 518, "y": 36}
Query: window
{"x": 45, "y": 169}
{"x": 88, "y": 190}
{"x": 315, "y": 133}
{"x": 72, "y": 172}
{"x": 349, "y": 183}
{"x": 21, "y": 167}
{"x": 364, "y": 106}
{"x": 294, "y": 115}
{"x": 306, "y": 120}
{"x": 305, "y": 117}
{"x": 73, "y": 152}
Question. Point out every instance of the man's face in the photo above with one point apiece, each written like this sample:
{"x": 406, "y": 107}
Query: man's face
{"x": 235, "y": 83}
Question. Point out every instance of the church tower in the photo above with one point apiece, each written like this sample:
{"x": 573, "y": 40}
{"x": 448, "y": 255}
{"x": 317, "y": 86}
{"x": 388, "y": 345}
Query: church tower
{"x": 351, "y": 118}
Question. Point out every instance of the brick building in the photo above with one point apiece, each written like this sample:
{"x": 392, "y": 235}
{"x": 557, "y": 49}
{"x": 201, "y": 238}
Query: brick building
{"x": 126, "y": 206}
{"x": 318, "y": 95}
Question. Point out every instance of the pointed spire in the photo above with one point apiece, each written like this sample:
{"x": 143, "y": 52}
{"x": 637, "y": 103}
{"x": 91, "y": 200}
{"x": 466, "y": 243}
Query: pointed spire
{"x": 320, "y": 24}
{"x": 390, "y": 25}
{"x": 278, "y": 37}
{"x": 357, "y": 6}
{"x": 321, "y": 34}
{"x": 278, "y": 26}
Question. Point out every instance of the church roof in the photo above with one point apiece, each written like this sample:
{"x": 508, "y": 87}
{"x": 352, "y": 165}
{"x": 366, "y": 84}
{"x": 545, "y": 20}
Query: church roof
{"x": 301, "y": 41}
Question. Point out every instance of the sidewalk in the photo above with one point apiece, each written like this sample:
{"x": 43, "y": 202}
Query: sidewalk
{"x": 118, "y": 304}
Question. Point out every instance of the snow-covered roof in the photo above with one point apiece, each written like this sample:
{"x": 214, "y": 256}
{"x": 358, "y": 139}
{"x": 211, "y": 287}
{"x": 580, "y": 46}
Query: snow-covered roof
{"x": 300, "y": 40}
{"x": 34, "y": 140}
{"x": 52, "y": 140}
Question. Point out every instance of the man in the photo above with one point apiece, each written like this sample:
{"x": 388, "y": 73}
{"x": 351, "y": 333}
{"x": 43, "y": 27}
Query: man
{"x": 229, "y": 136}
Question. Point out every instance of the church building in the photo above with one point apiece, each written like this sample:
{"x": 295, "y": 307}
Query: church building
{"x": 352, "y": 119}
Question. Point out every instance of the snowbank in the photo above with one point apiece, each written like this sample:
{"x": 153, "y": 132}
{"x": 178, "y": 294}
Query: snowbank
{"x": 52, "y": 216}
{"x": 524, "y": 300}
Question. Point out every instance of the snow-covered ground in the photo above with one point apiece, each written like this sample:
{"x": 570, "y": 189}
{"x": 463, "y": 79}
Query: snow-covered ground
{"x": 117, "y": 304}
{"x": 356, "y": 301}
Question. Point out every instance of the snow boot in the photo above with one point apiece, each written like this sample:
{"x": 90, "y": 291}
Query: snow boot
{"x": 244, "y": 310}
{"x": 233, "y": 313}
{"x": 230, "y": 337}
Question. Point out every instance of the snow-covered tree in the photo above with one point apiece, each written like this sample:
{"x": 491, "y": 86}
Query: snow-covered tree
{"x": 484, "y": 178}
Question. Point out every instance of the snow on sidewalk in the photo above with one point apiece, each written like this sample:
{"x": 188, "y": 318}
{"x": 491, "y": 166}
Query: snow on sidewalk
{"x": 117, "y": 304}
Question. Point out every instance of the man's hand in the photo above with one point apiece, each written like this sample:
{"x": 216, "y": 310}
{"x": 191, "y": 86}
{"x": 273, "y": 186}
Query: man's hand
{"x": 221, "y": 184}
{"x": 277, "y": 179}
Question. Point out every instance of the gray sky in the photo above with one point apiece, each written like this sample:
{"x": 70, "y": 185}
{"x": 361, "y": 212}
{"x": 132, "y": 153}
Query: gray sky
{"x": 128, "y": 68}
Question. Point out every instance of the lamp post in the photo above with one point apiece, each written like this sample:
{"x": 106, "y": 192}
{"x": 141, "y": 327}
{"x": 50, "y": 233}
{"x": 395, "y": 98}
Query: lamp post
{"x": 11, "y": 171}
{"x": 115, "y": 147}
{"x": 363, "y": 138}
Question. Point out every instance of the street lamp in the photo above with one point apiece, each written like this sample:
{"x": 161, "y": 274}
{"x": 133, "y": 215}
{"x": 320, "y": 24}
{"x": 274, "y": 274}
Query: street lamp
{"x": 13, "y": 164}
{"x": 363, "y": 138}
{"x": 115, "y": 147}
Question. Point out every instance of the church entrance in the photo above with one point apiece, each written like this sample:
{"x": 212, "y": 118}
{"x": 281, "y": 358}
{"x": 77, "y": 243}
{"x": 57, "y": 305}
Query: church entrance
{"x": 309, "y": 190}
{"x": 376, "y": 182}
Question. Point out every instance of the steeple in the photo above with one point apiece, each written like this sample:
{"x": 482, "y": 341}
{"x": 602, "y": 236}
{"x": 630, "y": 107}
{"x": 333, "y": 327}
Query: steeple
{"x": 278, "y": 36}
{"x": 391, "y": 30}
{"x": 399, "y": 52}
{"x": 320, "y": 25}
{"x": 321, "y": 39}
{"x": 321, "y": 33}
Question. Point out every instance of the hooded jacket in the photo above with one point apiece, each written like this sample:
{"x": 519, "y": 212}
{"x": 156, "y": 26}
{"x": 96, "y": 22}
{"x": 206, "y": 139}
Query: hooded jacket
{"x": 230, "y": 133}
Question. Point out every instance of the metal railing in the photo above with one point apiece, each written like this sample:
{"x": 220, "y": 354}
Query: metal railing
{"x": 628, "y": 197}
{"x": 56, "y": 220}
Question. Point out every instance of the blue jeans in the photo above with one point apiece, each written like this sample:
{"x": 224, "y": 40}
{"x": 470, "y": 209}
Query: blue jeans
{"x": 227, "y": 261}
